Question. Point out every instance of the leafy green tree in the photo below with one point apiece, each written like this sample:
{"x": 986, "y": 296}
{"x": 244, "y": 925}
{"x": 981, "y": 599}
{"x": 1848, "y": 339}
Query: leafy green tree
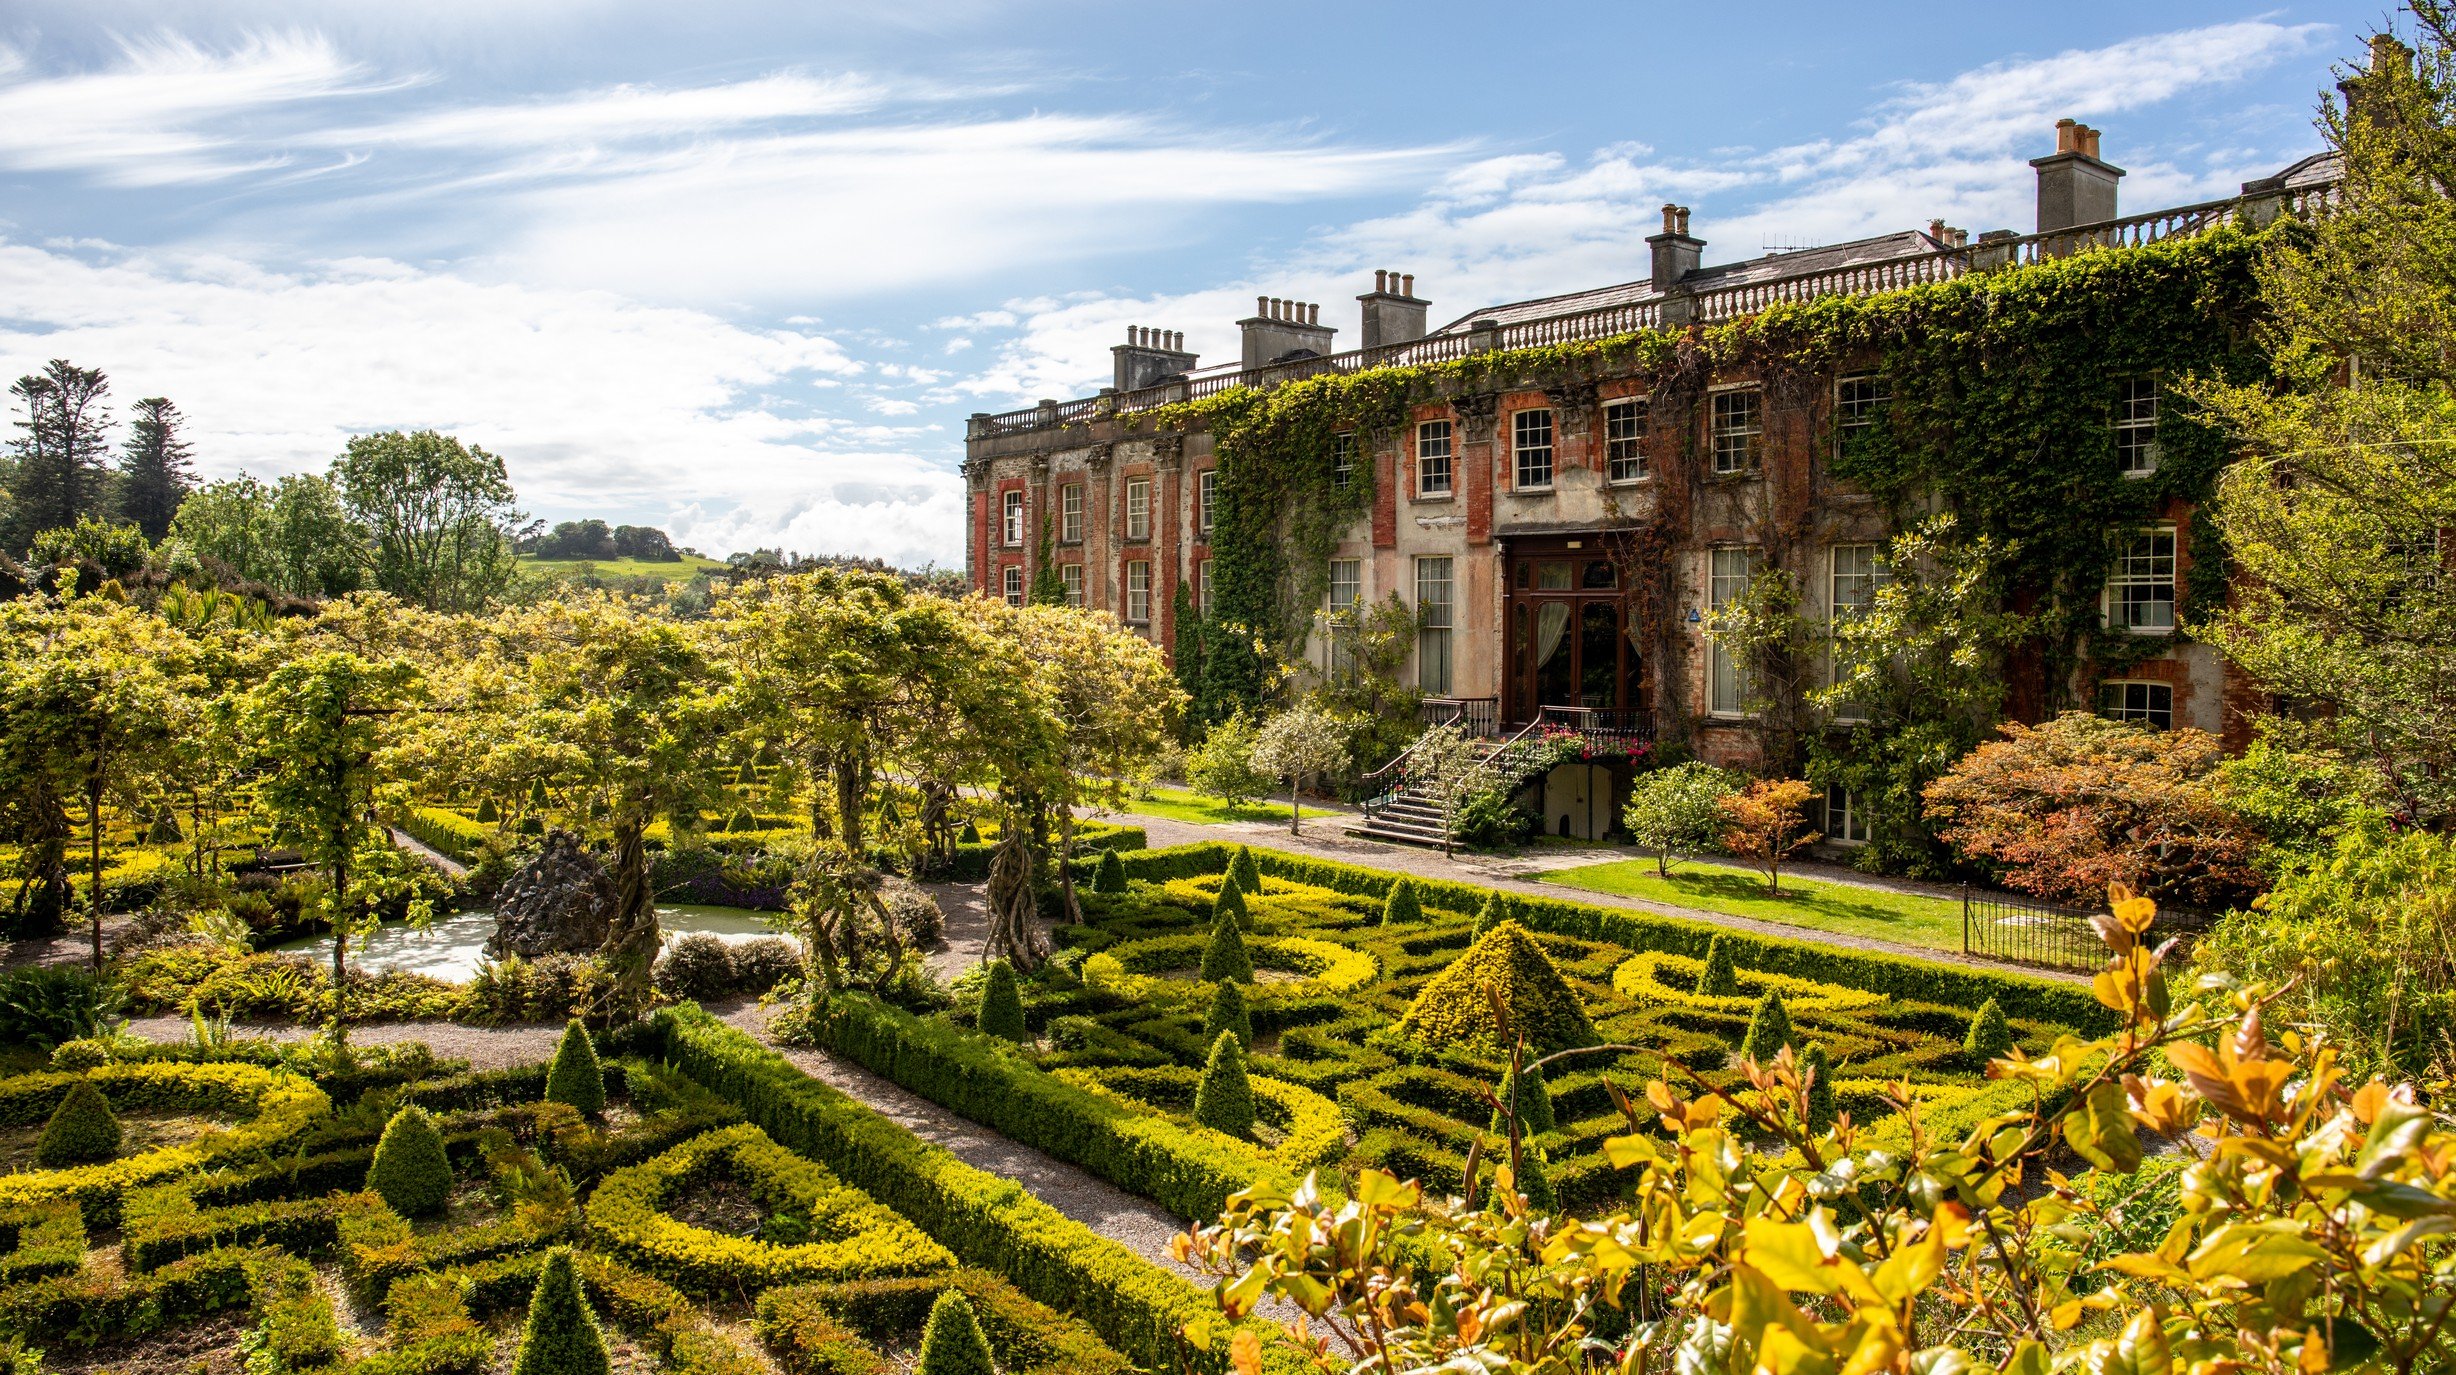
{"x": 82, "y": 1129}
{"x": 561, "y": 1336}
{"x": 155, "y": 471}
{"x": 1223, "y": 765}
{"x": 1677, "y": 810}
{"x": 56, "y": 461}
{"x": 575, "y": 1077}
{"x": 1224, "y": 959}
{"x": 1002, "y": 1005}
{"x": 2300, "y": 791}
{"x": 1224, "y": 1097}
{"x": 1302, "y": 744}
{"x": 410, "y": 1170}
{"x": 440, "y": 516}
{"x": 293, "y": 537}
{"x": 951, "y": 1342}
{"x": 2336, "y": 512}
{"x": 1228, "y": 1014}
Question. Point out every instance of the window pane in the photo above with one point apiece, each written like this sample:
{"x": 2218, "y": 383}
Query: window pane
{"x": 1072, "y": 576}
{"x": 1433, "y": 458}
{"x": 1727, "y": 578}
{"x": 1434, "y": 609}
{"x": 1737, "y": 426}
{"x": 1138, "y": 592}
{"x": 2151, "y": 704}
{"x": 1624, "y": 440}
{"x": 1070, "y": 513}
{"x": 1138, "y": 508}
{"x": 1342, "y": 459}
{"x": 1531, "y": 440}
{"x": 2141, "y": 595}
{"x": 2136, "y": 425}
{"x": 1206, "y": 487}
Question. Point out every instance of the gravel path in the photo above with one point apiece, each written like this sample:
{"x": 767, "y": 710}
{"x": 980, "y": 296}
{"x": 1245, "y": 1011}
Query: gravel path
{"x": 484, "y": 1047}
{"x": 1515, "y": 874}
{"x": 429, "y": 853}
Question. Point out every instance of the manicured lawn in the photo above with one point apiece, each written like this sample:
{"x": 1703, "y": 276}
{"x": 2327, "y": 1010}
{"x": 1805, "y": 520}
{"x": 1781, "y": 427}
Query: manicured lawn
{"x": 1840, "y": 908}
{"x": 1177, "y": 804}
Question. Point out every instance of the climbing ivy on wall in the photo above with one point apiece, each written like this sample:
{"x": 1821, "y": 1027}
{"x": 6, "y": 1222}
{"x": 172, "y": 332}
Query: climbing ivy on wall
{"x": 2001, "y": 386}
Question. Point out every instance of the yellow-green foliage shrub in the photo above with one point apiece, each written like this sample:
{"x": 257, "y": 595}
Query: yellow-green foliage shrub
{"x": 81, "y": 1131}
{"x": 277, "y": 1106}
{"x": 1310, "y": 1130}
{"x": 1657, "y": 977}
{"x": 1457, "y": 1004}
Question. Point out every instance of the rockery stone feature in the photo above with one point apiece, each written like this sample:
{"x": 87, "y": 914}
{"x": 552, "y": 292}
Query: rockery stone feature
{"x": 561, "y": 901}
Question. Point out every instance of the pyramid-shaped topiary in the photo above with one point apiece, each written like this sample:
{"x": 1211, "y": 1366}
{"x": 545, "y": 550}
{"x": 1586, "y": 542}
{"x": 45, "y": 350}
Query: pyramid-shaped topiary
{"x": 1224, "y": 960}
{"x": 1228, "y": 1014}
{"x": 1769, "y": 1030}
{"x": 1002, "y": 1005}
{"x": 1456, "y": 1005}
{"x": 82, "y": 1129}
{"x": 1224, "y": 1098}
{"x": 1534, "y": 1104}
{"x": 488, "y": 812}
{"x": 1534, "y": 1179}
{"x": 1242, "y": 868}
{"x": 409, "y": 1169}
{"x": 1231, "y": 903}
{"x": 1109, "y": 875}
{"x": 1990, "y": 1036}
{"x": 969, "y": 835}
{"x": 1401, "y": 907}
{"x": 1818, "y": 1067}
{"x": 1497, "y": 909}
{"x": 575, "y": 1077}
{"x": 952, "y": 1343}
{"x": 561, "y": 1336}
{"x": 1719, "y": 980}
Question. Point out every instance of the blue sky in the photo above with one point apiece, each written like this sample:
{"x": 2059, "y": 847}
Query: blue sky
{"x": 742, "y": 269}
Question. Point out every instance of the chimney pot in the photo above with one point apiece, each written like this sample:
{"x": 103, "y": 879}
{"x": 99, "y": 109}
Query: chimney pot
{"x": 1671, "y": 219}
{"x": 1684, "y": 214}
{"x": 2075, "y": 186}
{"x": 1381, "y": 279}
{"x": 1262, "y": 305}
{"x": 1407, "y": 285}
{"x": 2067, "y": 135}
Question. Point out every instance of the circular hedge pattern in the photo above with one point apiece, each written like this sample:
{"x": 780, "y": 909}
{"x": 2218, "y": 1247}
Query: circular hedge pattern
{"x": 1643, "y": 978}
{"x": 1314, "y": 1131}
{"x": 1321, "y": 967}
{"x": 278, "y": 1106}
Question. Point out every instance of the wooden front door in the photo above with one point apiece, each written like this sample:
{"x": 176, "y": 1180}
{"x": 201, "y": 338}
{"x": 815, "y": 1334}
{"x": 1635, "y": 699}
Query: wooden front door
{"x": 1568, "y": 632}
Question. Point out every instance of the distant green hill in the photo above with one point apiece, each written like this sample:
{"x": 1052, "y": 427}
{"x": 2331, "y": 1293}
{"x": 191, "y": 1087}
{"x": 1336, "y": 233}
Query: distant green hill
{"x": 571, "y": 570}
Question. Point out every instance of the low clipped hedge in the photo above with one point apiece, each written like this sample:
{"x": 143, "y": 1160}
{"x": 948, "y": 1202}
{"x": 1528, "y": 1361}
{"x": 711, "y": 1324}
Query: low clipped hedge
{"x": 447, "y": 833}
{"x": 994, "y": 1223}
{"x": 660, "y": 1315}
{"x": 44, "y": 1241}
{"x": 284, "y": 1106}
{"x": 1672, "y": 981}
{"x": 836, "y": 1329}
{"x": 1312, "y": 1130}
{"x": 853, "y": 1236}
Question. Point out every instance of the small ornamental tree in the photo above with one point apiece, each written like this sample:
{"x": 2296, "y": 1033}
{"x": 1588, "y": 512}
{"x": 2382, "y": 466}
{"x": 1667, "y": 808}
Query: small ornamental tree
{"x": 1719, "y": 980}
{"x": 1401, "y": 907}
{"x": 82, "y": 1129}
{"x": 409, "y": 1169}
{"x": 1224, "y": 1099}
{"x": 1765, "y": 823}
{"x": 1301, "y": 744}
{"x": 1816, "y": 1067}
{"x": 1228, "y": 1015}
{"x": 561, "y": 1335}
{"x": 1533, "y": 1102}
{"x": 1241, "y": 867}
{"x": 1002, "y": 1005}
{"x": 952, "y": 1343}
{"x": 1231, "y": 903}
{"x": 1677, "y": 811}
{"x": 1990, "y": 1036}
{"x": 1109, "y": 876}
{"x": 2066, "y": 808}
{"x": 576, "y": 1077}
{"x": 1224, "y": 960}
{"x": 1222, "y": 766}
{"x": 1769, "y": 1030}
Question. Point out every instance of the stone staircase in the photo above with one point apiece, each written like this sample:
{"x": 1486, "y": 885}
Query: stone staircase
{"x": 1406, "y": 816}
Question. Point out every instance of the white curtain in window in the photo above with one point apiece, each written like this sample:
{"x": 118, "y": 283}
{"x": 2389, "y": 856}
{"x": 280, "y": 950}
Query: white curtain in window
{"x": 1551, "y": 626}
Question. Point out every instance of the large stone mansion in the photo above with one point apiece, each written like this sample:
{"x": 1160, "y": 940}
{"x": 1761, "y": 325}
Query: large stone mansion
{"x": 1490, "y": 510}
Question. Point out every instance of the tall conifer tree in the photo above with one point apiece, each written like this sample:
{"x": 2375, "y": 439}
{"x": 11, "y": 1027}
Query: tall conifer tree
{"x": 154, "y": 472}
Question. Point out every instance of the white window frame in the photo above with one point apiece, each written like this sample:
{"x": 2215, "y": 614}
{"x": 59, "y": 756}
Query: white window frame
{"x": 1011, "y": 584}
{"x": 1845, "y": 822}
{"x": 1138, "y": 592}
{"x": 1206, "y": 499}
{"x": 1729, "y": 570}
{"x": 1535, "y": 455}
{"x": 1851, "y": 412}
{"x": 1436, "y": 619}
{"x": 1848, "y": 593}
{"x": 1070, "y": 513}
{"x": 1012, "y": 519}
{"x": 1447, "y": 440}
{"x": 1736, "y": 447}
{"x": 1138, "y": 508}
{"x": 2145, "y": 564}
{"x": 1203, "y": 600}
{"x": 1345, "y": 575}
{"x": 2145, "y": 709}
{"x": 1624, "y": 441}
{"x": 2136, "y": 424}
{"x": 1342, "y": 458}
{"x": 1071, "y": 575}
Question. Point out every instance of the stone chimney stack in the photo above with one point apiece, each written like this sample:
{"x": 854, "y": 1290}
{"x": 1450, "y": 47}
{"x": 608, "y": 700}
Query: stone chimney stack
{"x": 2387, "y": 54}
{"x": 1149, "y": 357}
{"x": 1675, "y": 253}
{"x": 1392, "y": 313}
{"x": 1280, "y": 329}
{"x": 2075, "y": 186}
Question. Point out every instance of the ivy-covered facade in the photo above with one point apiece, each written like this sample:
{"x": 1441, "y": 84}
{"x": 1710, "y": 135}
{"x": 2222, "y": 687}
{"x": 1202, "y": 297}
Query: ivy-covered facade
{"x": 1567, "y": 491}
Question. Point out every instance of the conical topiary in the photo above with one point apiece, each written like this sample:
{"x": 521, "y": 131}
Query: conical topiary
{"x": 1534, "y": 1180}
{"x": 1224, "y": 960}
{"x": 1228, "y": 1014}
{"x": 1719, "y": 980}
{"x": 561, "y": 1336}
{"x": 537, "y": 792}
{"x": 165, "y": 829}
{"x": 970, "y": 835}
{"x": 409, "y": 1169}
{"x": 1818, "y": 1067}
{"x": 952, "y": 1343}
{"x": 1401, "y": 908}
{"x": 1456, "y": 1005}
{"x": 748, "y": 775}
{"x": 82, "y": 1129}
{"x": 1990, "y": 1037}
{"x": 1496, "y": 910}
{"x": 1534, "y": 1104}
{"x": 1109, "y": 876}
{"x": 1002, "y": 1005}
{"x": 1224, "y": 1099}
{"x": 488, "y": 812}
{"x": 1769, "y": 1030}
{"x": 1231, "y": 903}
{"x": 575, "y": 1077}
{"x": 1242, "y": 868}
